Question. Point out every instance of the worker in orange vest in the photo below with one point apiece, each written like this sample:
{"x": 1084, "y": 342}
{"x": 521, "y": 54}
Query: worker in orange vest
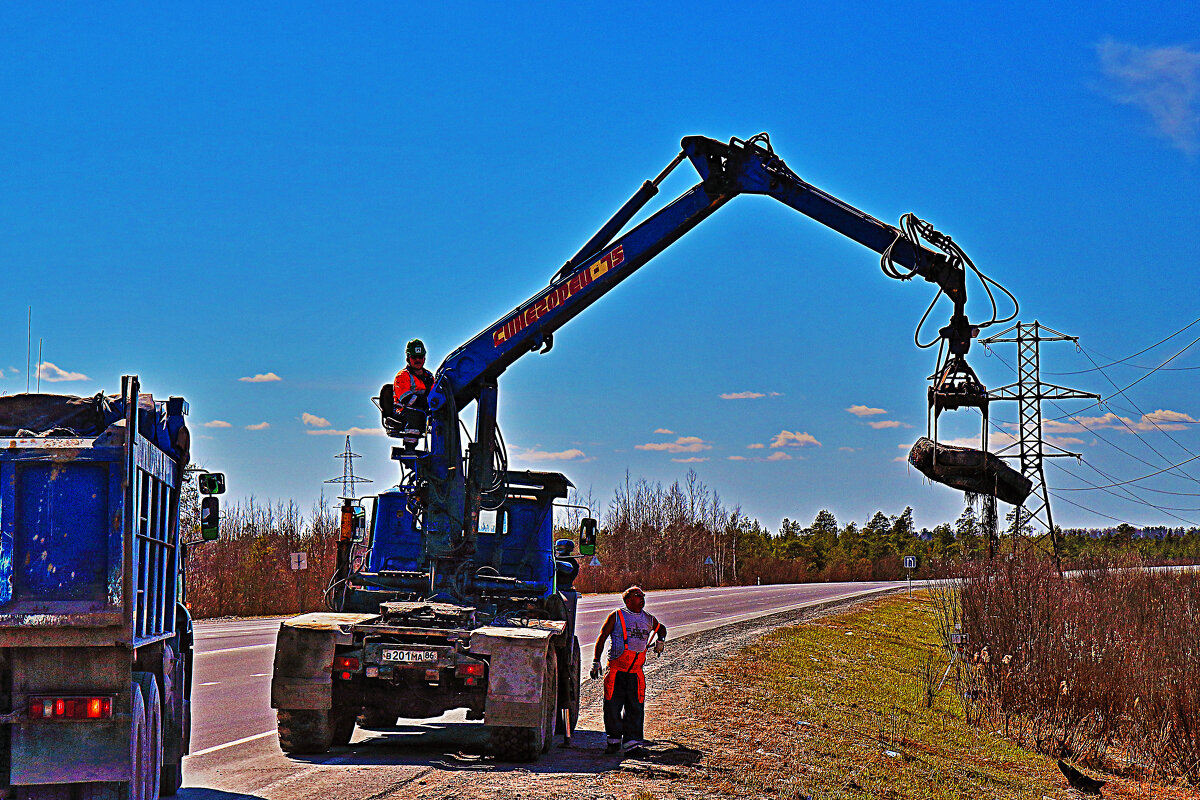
{"x": 411, "y": 386}
{"x": 628, "y": 631}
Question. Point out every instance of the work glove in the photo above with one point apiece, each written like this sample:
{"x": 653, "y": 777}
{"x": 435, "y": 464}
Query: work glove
{"x": 659, "y": 646}
{"x": 596, "y": 671}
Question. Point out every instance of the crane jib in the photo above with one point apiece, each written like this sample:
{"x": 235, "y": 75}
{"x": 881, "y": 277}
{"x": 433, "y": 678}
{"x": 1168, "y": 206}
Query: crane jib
{"x": 557, "y": 295}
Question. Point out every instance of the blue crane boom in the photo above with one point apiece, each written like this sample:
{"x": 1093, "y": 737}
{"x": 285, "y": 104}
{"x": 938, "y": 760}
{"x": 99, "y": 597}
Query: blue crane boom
{"x": 453, "y": 486}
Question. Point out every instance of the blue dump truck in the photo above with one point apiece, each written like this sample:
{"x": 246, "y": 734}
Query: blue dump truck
{"x": 95, "y": 640}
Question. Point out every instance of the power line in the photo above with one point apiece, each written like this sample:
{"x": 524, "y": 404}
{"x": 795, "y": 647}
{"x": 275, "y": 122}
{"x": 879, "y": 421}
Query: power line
{"x": 1135, "y": 480}
{"x": 1115, "y": 362}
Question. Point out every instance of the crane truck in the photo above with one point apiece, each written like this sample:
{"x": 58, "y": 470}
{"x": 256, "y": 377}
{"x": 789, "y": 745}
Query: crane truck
{"x": 95, "y": 635}
{"x": 450, "y": 598}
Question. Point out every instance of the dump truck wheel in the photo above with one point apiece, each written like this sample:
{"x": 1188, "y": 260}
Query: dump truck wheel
{"x": 150, "y": 697}
{"x": 343, "y": 720}
{"x": 305, "y": 731}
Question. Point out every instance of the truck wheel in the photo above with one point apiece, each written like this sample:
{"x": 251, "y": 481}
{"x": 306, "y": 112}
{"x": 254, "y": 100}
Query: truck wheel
{"x": 305, "y": 731}
{"x": 343, "y": 720}
{"x": 154, "y": 750}
{"x": 515, "y": 744}
{"x": 568, "y": 693}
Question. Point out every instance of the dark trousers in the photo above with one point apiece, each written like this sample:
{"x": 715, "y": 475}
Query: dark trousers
{"x": 624, "y": 715}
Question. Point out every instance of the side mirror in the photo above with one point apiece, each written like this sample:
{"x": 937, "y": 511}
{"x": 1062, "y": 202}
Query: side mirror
{"x": 210, "y": 518}
{"x": 212, "y": 482}
{"x": 587, "y": 537}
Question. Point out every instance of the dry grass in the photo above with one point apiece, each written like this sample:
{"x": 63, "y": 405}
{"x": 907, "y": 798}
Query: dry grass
{"x": 1102, "y": 667}
{"x": 843, "y": 708}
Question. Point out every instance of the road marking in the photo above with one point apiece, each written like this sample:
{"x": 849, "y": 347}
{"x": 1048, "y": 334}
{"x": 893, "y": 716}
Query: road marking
{"x": 211, "y": 683}
{"x": 232, "y": 649}
{"x": 234, "y": 743}
{"x": 261, "y": 675}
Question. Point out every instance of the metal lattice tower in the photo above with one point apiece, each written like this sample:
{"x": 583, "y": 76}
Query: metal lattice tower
{"x": 348, "y": 479}
{"x": 1029, "y": 391}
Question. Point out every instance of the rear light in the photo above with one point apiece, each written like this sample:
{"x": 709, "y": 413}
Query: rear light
{"x": 471, "y": 668}
{"x": 70, "y": 708}
{"x": 346, "y": 662}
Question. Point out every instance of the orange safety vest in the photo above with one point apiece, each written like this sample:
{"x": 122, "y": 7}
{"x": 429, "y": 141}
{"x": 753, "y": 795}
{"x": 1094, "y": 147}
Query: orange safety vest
{"x": 409, "y": 381}
{"x": 628, "y": 661}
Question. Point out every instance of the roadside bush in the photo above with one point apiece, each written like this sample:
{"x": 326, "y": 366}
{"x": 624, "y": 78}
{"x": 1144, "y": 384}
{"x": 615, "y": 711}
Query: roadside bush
{"x": 1101, "y": 665}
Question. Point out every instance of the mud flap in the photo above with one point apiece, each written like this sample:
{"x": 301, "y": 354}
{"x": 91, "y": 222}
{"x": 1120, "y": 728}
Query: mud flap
{"x": 302, "y": 677}
{"x": 516, "y": 672}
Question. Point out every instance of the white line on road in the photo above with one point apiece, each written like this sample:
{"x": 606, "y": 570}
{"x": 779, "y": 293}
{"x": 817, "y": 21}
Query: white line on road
{"x": 231, "y": 649}
{"x": 211, "y": 683}
{"x": 261, "y": 675}
{"x": 234, "y": 743}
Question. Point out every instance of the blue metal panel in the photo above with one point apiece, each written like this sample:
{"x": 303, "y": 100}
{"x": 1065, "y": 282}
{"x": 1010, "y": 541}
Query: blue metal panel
{"x": 395, "y": 544}
{"x": 61, "y": 531}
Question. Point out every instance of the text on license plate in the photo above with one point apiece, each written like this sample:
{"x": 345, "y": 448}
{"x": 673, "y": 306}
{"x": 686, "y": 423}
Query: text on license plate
{"x": 409, "y": 656}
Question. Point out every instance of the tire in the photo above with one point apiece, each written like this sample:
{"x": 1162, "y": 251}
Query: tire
{"x": 150, "y": 699}
{"x": 568, "y": 689}
{"x": 139, "y": 748}
{"x": 305, "y": 731}
{"x": 514, "y": 744}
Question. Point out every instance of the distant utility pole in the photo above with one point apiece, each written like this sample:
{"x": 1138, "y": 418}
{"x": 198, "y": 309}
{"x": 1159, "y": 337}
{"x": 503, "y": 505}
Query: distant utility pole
{"x": 348, "y": 478}
{"x": 1029, "y": 391}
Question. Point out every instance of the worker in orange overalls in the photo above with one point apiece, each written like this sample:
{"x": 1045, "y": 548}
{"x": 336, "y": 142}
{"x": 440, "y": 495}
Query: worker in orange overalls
{"x": 628, "y": 631}
{"x": 411, "y": 387}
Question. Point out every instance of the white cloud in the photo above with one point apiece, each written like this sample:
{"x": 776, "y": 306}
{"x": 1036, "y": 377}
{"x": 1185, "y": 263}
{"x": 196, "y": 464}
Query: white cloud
{"x": 269, "y": 377}
{"x": 903, "y": 459}
{"x": 54, "y": 374}
{"x": 258, "y": 426}
{"x": 865, "y": 411}
{"x": 847, "y": 449}
{"x": 684, "y": 444}
{"x": 217, "y": 423}
{"x": 794, "y": 439}
{"x": 742, "y": 395}
{"x": 664, "y": 431}
{"x": 779, "y": 455}
{"x": 573, "y": 454}
{"x": 1160, "y": 420}
{"x": 347, "y": 432}
{"x": 692, "y": 460}
{"x": 888, "y": 423}
{"x": 755, "y": 446}
{"x": 312, "y": 420}
{"x": 737, "y": 458}
{"x": 1162, "y": 81}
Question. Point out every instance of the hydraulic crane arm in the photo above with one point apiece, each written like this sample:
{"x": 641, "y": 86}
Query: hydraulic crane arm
{"x": 457, "y": 489}
{"x": 726, "y": 170}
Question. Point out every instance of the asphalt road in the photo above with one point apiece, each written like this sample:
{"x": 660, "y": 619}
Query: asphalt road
{"x": 235, "y": 752}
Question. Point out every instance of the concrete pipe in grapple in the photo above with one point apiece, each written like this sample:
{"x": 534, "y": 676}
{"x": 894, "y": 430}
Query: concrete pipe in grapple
{"x": 969, "y": 470}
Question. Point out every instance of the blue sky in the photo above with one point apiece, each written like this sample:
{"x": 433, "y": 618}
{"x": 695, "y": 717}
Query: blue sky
{"x": 204, "y": 195}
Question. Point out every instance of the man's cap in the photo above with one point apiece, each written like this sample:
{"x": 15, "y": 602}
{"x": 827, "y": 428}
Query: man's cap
{"x": 415, "y": 349}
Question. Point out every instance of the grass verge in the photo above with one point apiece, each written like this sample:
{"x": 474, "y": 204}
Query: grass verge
{"x": 840, "y": 708}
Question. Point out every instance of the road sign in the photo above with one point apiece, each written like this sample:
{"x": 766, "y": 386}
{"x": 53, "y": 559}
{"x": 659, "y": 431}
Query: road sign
{"x": 595, "y": 562}
{"x": 910, "y": 562}
{"x": 708, "y": 562}
{"x": 299, "y": 561}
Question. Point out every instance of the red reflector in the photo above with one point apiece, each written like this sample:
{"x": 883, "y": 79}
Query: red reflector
{"x": 60, "y": 707}
{"x": 345, "y": 676}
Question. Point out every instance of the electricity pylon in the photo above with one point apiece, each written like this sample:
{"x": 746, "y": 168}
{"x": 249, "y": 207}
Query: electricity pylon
{"x": 348, "y": 479}
{"x": 1029, "y": 391}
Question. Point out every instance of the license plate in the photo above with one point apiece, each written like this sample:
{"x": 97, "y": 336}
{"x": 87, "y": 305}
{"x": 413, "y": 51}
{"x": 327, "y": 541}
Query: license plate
{"x": 410, "y": 656}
